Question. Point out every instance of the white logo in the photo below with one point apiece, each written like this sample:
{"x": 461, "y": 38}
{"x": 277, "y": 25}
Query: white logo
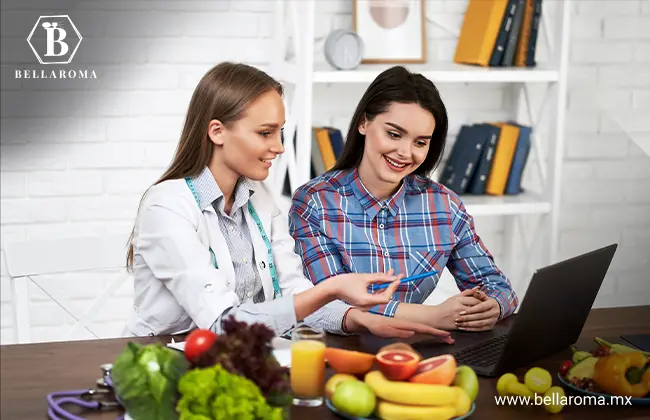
{"x": 54, "y": 39}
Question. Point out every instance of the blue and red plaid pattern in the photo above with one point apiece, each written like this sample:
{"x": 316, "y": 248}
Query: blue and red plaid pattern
{"x": 339, "y": 227}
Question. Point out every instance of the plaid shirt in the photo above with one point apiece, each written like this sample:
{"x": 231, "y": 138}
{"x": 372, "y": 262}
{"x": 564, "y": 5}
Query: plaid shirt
{"x": 339, "y": 227}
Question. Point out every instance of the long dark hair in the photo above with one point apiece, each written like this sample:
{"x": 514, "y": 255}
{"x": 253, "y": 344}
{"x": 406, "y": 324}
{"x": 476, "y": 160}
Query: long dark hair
{"x": 397, "y": 84}
{"x": 223, "y": 93}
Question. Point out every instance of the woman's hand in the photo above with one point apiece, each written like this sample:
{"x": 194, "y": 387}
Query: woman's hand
{"x": 388, "y": 327}
{"x": 353, "y": 288}
{"x": 480, "y": 317}
{"x": 448, "y": 311}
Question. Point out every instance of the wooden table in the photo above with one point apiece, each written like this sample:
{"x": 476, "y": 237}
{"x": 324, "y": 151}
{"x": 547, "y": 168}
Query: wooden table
{"x": 30, "y": 371}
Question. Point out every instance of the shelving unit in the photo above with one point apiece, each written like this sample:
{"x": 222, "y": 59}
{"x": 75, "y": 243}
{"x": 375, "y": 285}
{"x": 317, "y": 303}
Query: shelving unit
{"x": 524, "y": 203}
{"x": 294, "y": 23}
{"x": 442, "y": 73}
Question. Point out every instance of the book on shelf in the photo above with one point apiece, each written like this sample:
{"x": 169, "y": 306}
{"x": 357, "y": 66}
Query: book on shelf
{"x": 488, "y": 158}
{"x": 326, "y": 149}
{"x": 499, "y": 33}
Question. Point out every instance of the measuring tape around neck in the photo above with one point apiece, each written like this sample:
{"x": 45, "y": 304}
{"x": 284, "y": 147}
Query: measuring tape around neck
{"x": 274, "y": 275}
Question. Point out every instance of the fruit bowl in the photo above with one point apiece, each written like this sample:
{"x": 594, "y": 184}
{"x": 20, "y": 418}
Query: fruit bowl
{"x": 329, "y": 405}
{"x": 602, "y": 396}
{"x": 587, "y": 372}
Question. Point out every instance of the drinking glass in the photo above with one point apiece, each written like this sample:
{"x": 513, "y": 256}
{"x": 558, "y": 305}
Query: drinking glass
{"x": 308, "y": 366}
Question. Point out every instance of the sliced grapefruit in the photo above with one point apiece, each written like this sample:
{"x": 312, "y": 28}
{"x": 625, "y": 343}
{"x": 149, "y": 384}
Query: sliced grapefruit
{"x": 399, "y": 346}
{"x": 349, "y": 361}
{"x": 436, "y": 370}
{"x": 397, "y": 364}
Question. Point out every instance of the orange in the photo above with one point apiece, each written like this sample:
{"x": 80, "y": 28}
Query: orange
{"x": 436, "y": 370}
{"x": 349, "y": 361}
{"x": 397, "y": 364}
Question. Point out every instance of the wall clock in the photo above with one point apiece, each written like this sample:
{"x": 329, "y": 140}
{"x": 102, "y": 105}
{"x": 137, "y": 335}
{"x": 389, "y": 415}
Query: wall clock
{"x": 344, "y": 49}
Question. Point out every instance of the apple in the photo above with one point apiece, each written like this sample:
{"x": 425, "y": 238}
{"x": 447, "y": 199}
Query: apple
{"x": 354, "y": 398}
{"x": 335, "y": 381}
{"x": 466, "y": 379}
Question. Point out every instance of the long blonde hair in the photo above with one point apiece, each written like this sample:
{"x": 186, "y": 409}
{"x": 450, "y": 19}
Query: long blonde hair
{"x": 223, "y": 93}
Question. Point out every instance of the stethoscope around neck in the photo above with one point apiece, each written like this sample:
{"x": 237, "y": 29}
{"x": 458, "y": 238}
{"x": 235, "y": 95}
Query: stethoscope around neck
{"x": 274, "y": 275}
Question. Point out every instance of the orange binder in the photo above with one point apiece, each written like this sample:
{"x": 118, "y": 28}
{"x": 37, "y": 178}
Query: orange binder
{"x": 524, "y": 34}
{"x": 500, "y": 170}
{"x": 325, "y": 146}
{"x": 479, "y": 32}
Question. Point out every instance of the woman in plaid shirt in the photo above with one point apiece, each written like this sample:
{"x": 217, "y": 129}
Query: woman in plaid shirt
{"x": 378, "y": 210}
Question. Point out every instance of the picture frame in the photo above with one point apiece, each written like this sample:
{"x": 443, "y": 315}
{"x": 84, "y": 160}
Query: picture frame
{"x": 393, "y": 31}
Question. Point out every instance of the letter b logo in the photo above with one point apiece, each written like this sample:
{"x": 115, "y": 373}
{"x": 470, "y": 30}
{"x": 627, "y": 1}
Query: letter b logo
{"x": 55, "y": 35}
{"x": 54, "y": 39}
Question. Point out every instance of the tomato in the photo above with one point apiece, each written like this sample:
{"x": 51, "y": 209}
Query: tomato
{"x": 565, "y": 366}
{"x": 198, "y": 342}
{"x": 602, "y": 351}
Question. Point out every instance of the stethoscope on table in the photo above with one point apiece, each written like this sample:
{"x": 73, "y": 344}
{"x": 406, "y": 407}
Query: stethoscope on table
{"x": 102, "y": 397}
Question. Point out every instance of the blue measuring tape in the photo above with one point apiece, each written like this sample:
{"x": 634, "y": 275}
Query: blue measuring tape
{"x": 274, "y": 275}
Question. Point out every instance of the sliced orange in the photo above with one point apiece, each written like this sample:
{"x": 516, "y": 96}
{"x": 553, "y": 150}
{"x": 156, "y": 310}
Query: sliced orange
{"x": 349, "y": 361}
{"x": 436, "y": 370}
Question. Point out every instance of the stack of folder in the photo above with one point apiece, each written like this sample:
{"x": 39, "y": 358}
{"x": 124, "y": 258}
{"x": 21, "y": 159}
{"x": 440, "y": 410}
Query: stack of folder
{"x": 488, "y": 158}
{"x": 499, "y": 33}
{"x": 326, "y": 149}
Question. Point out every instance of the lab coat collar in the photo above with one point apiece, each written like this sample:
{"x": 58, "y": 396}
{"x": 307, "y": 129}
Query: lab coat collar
{"x": 209, "y": 192}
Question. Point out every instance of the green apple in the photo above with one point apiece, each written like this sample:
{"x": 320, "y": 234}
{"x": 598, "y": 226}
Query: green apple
{"x": 335, "y": 381}
{"x": 466, "y": 378}
{"x": 354, "y": 398}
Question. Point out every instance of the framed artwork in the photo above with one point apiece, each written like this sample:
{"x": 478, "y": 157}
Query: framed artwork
{"x": 392, "y": 31}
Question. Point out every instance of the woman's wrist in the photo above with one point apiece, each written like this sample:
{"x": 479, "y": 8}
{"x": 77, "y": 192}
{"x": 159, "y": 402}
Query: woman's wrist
{"x": 354, "y": 321}
{"x": 423, "y": 314}
{"x": 310, "y": 300}
{"x": 331, "y": 288}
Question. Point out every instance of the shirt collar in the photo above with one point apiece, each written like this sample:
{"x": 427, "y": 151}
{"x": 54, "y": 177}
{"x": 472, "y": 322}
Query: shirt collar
{"x": 369, "y": 202}
{"x": 209, "y": 192}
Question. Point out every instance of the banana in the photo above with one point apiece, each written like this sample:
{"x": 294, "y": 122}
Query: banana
{"x": 619, "y": 348}
{"x": 579, "y": 355}
{"x": 390, "y": 411}
{"x": 412, "y": 393}
{"x": 463, "y": 404}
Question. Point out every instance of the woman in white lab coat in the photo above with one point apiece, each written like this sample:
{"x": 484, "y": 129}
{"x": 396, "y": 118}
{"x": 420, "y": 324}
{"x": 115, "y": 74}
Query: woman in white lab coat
{"x": 210, "y": 242}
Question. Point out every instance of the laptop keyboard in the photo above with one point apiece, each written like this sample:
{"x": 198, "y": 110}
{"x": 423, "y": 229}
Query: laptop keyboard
{"x": 484, "y": 354}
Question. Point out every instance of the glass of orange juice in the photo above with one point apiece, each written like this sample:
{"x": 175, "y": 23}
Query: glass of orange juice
{"x": 307, "y": 366}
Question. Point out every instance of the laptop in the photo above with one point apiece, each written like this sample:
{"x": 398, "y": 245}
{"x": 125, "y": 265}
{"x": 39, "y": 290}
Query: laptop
{"x": 550, "y": 318}
{"x": 640, "y": 341}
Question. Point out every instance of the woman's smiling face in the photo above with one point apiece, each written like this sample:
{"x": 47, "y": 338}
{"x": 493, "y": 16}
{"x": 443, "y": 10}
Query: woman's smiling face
{"x": 397, "y": 142}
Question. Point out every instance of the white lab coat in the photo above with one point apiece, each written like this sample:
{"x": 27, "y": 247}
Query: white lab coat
{"x": 177, "y": 287}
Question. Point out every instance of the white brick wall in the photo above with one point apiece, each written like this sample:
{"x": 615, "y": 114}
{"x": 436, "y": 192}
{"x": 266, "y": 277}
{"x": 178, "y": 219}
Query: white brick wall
{"x": 76, "y": 156}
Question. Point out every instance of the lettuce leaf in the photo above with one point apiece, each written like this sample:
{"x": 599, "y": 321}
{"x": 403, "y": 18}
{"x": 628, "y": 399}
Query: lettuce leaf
{"x": 214, "y": 393}
{"x": 145, "y": 379}
{"x": 246, "y": 349}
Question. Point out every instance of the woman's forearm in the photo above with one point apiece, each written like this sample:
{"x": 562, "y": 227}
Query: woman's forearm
{"x": 423, "y": 314}
{"x": 414, "y": 312}
{"x": 314, "y": 298}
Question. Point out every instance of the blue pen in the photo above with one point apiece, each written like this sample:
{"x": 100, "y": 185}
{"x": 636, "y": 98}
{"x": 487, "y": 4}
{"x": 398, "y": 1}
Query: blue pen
{"x": 407, "y": 279}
